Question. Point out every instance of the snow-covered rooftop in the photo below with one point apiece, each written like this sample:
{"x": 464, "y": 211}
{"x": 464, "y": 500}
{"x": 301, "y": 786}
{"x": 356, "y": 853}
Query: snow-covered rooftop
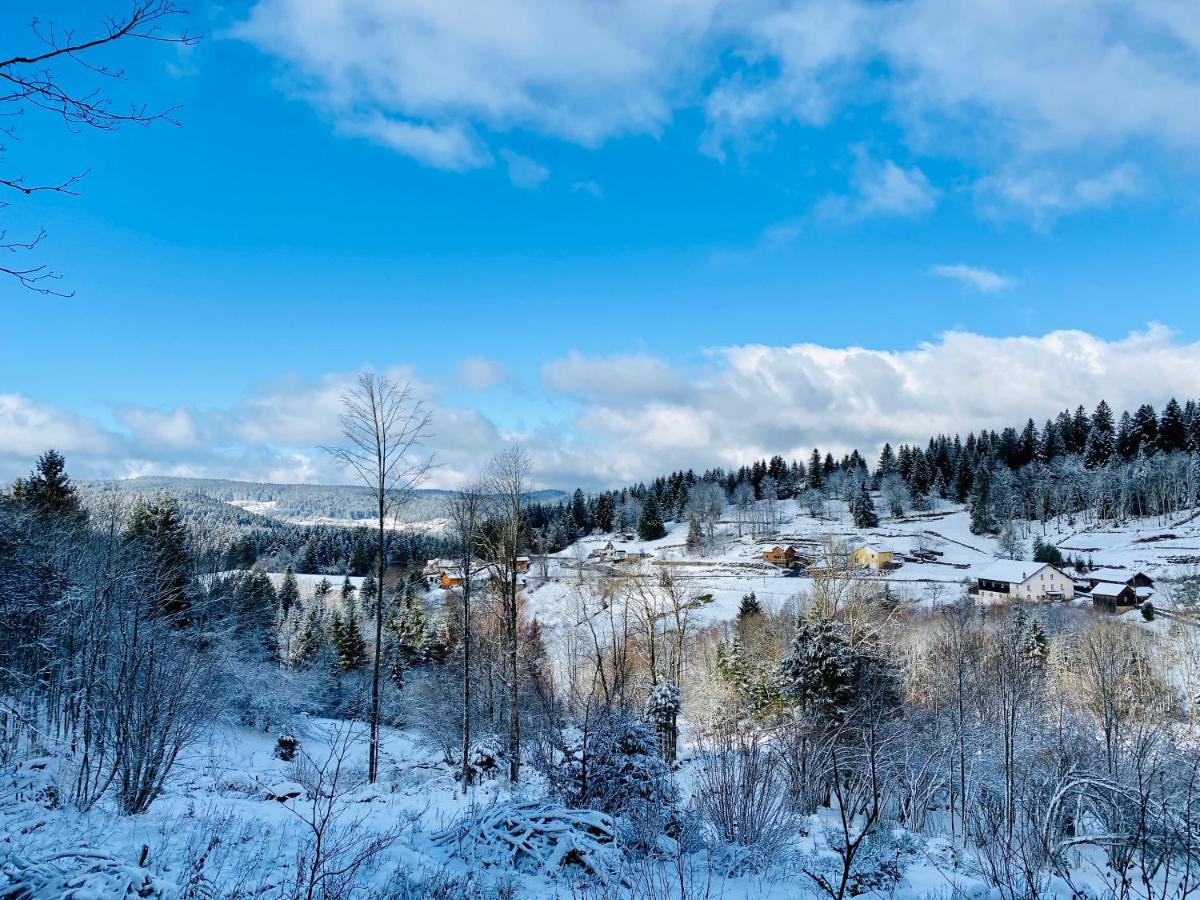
{"x": 1109, "y": 589}
{"x": 879, "y": 548}
{"x": 1013, "y": 571}
{"x": 1115, "y": 576}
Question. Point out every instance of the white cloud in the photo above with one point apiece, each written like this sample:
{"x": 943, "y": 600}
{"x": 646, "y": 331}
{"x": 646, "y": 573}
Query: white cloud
{"x": 631, "y": 417}
{"x": 880, "y": 188}
{"x": 759, "y": 400}
{"x": 1015, "y": 88}
{"x": 573, "y": 69}
{"x": 478, "y": 373}
{"x": 450, "y": 146}
{"x": 588, "y": 187}
{"x": 1045, "y": 195}
{"x": 524, "y": 172}
{"x": 611, "y": 376}
{"x": 27, "y": 427}
{"x": 176, "y": 428}
{"x": 993, "y": 77}
{"x": 983, "y": 280}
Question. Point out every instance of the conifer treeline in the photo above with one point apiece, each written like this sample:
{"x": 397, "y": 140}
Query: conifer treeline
{"x": 1140, "y": 463}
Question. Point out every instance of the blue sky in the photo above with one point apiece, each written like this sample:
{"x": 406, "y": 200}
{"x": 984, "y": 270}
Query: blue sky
{"x": 542, "y": 189}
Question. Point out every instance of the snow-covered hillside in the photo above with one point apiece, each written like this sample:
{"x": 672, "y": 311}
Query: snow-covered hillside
{"x": 938, "y": 555}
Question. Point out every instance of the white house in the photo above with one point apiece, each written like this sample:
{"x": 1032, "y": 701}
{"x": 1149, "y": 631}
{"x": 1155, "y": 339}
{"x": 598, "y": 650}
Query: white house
{"x": 612, "y": 554}
{"x": 1016, "y": 579}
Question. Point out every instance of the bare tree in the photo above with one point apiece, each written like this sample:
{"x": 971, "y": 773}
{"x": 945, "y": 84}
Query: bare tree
{"x": 339, "y": 844}
{"x": 466, "y": 519}
{"x": 32, "y": 81}
{"x": 506, "y": 485}
{"x": 385, "y": 427}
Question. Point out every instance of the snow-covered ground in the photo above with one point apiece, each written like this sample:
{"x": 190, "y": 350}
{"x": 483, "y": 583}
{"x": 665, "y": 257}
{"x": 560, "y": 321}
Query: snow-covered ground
{"x": 736, "y": 567}
{"x": 235, "y": 820}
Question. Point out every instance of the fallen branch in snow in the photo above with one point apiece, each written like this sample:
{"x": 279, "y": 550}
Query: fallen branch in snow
{"x": 535, "y": 837}
{"x": 76, "y": 873}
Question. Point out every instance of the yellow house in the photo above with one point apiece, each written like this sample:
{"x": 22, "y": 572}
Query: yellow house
{"x": 872, "y": 556}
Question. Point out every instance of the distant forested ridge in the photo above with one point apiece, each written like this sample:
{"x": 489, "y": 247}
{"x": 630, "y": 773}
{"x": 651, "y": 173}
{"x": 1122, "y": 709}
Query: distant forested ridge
{"x": 236, "y": 538}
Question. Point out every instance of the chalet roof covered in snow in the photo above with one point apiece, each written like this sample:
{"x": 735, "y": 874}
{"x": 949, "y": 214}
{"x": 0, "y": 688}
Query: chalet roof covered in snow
{"x": 875, "y": 547}
{"x": 1113, "y": 576}
{"x": 1012, "y": 571}
{"x": 1110, "y": 589}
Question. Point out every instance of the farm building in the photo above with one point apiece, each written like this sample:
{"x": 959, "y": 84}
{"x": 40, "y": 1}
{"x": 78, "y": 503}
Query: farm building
{"x": 1132, "y": 577}
{"x": 1111, "y": 596}
{"x": 1016, "y": 579}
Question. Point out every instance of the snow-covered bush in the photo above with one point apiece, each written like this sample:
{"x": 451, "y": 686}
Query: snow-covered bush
{"x": 614, "y": 766}
{"x": 742, "y": 797}
{"x": 487, "y": 759}
{"x": 285, "y": 747}
{"x": 661, "y": 709}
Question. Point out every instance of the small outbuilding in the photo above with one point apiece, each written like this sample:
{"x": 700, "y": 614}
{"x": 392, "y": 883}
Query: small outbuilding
{"x": 1112, "y": 597}
{"x": 1135, "y": 578}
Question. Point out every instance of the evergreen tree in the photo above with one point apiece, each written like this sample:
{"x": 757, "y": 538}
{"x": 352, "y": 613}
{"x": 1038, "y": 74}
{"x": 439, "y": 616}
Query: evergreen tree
{"x": 1172, "y": 432}
{"x": 48, "y": 491}
{"x": 818, "y": 676}
{"x": 321, "y": 593}
{"x": 650, "y": 526}
{"x": 360, "y": 560}
{"x": 1079, "y": 430}
{"x": 862, "y": 508}
{"x": 308, "y": 560}
{"x": 1051, "y": 446}
{"x": 815, "y": 471}
{"x": 312, "y": 638}
{"x": 603, "y": 514}
{"x": 368, "y": 594}
{"x": 411, "y": 640}
{"x": 1036, "y": 644}
{"x": 157, "y": 529}
{"x": 256, "y": 610}
{"x": 749, "y": 609}
{"x": 963, "y": 479}
{"x": 1126, "y": 443}
{"x": 887, "y": 462}
{"x": 1102, "y": 418}
{"x": 695, "y": 536}
{"x": 1099, "y": 448}
{"x": 289, "y": 593}
{"x": 1046, "y": 553}
{"x": 579, "y": 512}
{"x": 348, "y": 644}
{"x": 981, "y": 502}
{"x": 1145, "y": 429}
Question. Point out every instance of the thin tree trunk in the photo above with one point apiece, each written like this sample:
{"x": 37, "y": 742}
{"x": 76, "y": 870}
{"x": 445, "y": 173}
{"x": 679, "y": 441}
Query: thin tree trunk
{"x": 514, "y": 715}
{"x": 466, "y": 639}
